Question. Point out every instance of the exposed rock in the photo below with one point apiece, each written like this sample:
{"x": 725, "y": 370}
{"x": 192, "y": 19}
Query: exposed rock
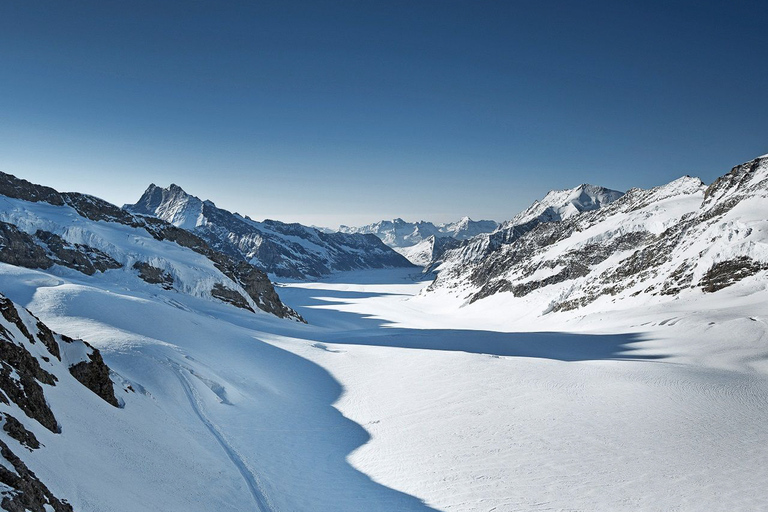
{"x": 726, "y": 273}
{"x": 287, "y": 250}
{"x": 17, "y": 188}
{"x": 223, "y": 293}
{"x": 21, "y": 374}
{"x": 27, "y": 492}
{"x": 94, "y": 375}
{"x": 18, "y": 431}
{"x": 20, "y": 249}
{"x": 652, "y": 242}
{"x": 80, "y": 257}
{"x": 44, "y": 249}
{"x": 154, "y": 275}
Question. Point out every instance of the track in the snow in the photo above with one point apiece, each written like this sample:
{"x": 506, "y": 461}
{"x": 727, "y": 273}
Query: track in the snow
{"x": 259, "y": 498}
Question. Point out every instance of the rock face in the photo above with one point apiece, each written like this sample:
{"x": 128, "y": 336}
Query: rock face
{"x": 154, "y": 275}
{"x": 30, "y": 354}
{"x": 94, "y": 374}
{"x": 88, "y": 235}
{"x": 677, "y": 238}
{"x": 44, "y": 249}
{"x": 25, "y": 491}
{"x": 286, "y": 250}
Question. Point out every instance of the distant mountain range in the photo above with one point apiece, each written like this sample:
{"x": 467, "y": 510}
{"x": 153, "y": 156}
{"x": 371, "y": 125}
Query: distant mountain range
{"x": 398, "y": 233}
{"x": 285, "y": 250}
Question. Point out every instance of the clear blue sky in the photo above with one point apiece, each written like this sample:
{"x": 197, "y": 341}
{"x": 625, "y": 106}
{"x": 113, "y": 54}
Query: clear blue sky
{"x": 349, "y": 112}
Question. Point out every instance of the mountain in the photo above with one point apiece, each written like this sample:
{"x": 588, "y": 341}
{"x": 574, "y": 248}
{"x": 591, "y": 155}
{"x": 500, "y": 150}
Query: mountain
{"x": 671, "y": 241}
{"x": 286, "y": 250}
{"x": 428, "y": 251}
{"x": 467, "y": 228}
{"x": 556, "y": 205}
{"x": 398, "y": 233}
{"x": 43, "y": 229}
{"x": 39, "y": 371}
{"x": 563, "y": 204}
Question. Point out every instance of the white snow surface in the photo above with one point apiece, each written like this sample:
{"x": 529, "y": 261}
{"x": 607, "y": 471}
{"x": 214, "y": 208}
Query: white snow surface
{"x": 390, "y": 400}
{"x": 419, "y": 254}
{"x": 393, "y": 399}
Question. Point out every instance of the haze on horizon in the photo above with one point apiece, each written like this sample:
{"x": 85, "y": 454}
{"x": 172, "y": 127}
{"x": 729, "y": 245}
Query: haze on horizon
{"x": 334, "y": 113}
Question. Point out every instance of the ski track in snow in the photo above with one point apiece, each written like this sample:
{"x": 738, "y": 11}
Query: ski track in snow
{"x": 259, "y": 498}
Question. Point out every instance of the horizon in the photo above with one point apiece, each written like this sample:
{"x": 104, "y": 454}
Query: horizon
{"x": 342, "y": 224}
{"x": 330, "y": 113}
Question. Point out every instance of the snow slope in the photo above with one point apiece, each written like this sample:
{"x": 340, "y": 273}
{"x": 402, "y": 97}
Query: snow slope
{"x": 658, "y": 409}
{"x": 393, "y": 398}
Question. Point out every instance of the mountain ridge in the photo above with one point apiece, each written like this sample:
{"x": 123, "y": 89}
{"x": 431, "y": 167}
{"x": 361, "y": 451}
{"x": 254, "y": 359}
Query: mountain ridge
{"x": 683, "y": 237}
{"x": 42, "y": 228}
{"x": 286, "y": 250}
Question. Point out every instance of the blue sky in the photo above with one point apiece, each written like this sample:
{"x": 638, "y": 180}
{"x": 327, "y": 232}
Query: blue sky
{"x": 349, "y": 112}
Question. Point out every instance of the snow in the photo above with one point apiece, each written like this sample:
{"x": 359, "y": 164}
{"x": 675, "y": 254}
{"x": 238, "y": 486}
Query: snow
{"x": 394, "y": 399}
{"x": 391, "y": 400}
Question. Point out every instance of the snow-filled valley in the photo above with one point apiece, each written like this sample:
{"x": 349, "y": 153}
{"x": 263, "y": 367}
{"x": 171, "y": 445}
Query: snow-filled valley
{"x": 388, "y": 400}
{"x": 607, "y": 352}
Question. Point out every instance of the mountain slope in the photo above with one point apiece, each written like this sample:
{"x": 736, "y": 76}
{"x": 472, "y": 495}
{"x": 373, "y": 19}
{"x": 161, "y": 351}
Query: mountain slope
{"x": 42, "y": 228}
{"x": 555, "y": 206}
{"x": 429, "y": 250}
{"x": 682, "y": 238}
{"x": 286, "y": 250}
{"x": 33, "y": 361}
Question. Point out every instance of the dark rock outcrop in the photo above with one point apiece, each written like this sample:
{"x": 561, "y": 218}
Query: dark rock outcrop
{"x": 224, "y": 294}
{"x": 154, "y": 275}
{"x": 20, "y": 372}
{"x": 19, "y": 432}
{"x": 44, "y": 249}
{"x": 94, "y": 374}
{"x": 618, "y": 251}
{"x": 26, "y": 492}
{"x": 26, "y": 346}
{"x": 726, "y": 273}
{"x": 20, "y": 249}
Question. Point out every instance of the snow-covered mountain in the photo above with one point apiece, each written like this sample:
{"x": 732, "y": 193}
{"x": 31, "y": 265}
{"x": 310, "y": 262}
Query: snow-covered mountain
{"x": 653, "y": 307}
{"x": 563, "y": 204}
{"x": 286, "y": 250}
{"x": 659, "y": 244}
{"x": 40, "y": 375}
{"x": 555, "y": 206}
{"x": 44, "y": 229}
{"x": 429, "y": 251}
{"x": 399, "y": 233}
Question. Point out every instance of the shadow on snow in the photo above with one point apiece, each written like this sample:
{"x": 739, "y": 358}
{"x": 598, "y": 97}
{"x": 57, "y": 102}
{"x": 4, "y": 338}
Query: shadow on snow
{"x": 343, "y": 327}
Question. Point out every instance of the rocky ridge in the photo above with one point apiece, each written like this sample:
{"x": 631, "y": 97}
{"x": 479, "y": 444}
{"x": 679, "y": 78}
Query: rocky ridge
{"x": 286, "y": 250}
{"x": 62, "y": 236}
{"x": 683, "y": 237}
{"x": 557, "y": 205}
